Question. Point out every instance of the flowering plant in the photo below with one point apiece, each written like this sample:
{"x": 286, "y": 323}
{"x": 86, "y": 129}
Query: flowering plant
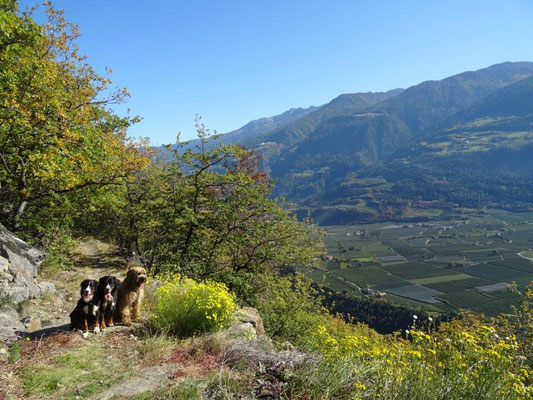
{"x": 184, "y": 307}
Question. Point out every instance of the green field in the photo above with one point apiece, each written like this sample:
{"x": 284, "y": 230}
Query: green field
{"x": 462, "y": 263}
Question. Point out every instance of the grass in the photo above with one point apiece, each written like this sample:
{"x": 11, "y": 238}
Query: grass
{"x": 492, "y": 303}
{"x": 440, "y": 279}
{"x": 13, "y": 354}
{"x": 369, "y": 276}
{"x": 83, "y": 371}
{"x": 416, "y": 270}
{"x": 458, "y": 285}
{"x": 416, "y": 292}
{"x": 491, "y": 272}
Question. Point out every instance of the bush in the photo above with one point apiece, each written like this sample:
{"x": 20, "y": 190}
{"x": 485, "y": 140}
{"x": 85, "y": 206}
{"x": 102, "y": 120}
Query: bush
{"x": 57, "y": 249}
{"x": 466, "y": 359}
{"x": 184, "y": 307}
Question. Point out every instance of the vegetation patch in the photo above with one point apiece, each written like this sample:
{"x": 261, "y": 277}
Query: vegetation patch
{"x": 417, "y": 292}
{"x": 82, "y": 371}
{"x": 415, "y": 270}
{"x": 184, "y": 307}
{"x": 369, "y": 276}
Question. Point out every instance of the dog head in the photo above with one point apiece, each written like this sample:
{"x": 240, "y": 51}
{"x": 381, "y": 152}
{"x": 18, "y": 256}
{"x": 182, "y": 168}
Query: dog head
{"x": 88, "y": 289}
{"x": 107, "y": 286}
{"x": 137, "y": 275}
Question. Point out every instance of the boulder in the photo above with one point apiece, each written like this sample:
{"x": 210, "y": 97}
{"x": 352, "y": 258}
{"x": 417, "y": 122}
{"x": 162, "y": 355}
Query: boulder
{"x": 12, "y": 246}
{"x": 47, "y": 287}
{"x": 19, "y": 264}
{"x": 9, "y": 323}
{"x": 249, "y": 315}
{"x": 3, "y": 264}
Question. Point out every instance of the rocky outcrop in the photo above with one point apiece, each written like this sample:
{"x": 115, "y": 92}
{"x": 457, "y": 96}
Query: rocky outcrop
{"x": 19, "y": 264}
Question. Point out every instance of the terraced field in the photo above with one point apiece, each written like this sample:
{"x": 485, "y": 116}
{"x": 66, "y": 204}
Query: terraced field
{"x": 465, "y": 262}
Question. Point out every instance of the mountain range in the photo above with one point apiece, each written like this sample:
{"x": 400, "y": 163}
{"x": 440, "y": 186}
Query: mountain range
{"x": 465, "y": 141}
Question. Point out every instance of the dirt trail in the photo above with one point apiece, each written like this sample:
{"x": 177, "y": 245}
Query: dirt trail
{"x": 92, "y": 259}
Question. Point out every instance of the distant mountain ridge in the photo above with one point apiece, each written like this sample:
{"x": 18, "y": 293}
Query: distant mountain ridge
{"x": 482, "y": 156}
{"x": 267, "y": 124}
{"x": 370, "y": 156}
{"x": 312, "y": 153}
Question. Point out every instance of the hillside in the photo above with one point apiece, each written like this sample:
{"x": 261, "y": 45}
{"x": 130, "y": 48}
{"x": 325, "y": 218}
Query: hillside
{"x": 298, "y": 121}
{"x": 481, "y": 157}
{"x": 252, "y": 129}
{"x": 247, "y": 358}
{"x": 309, "y": 155}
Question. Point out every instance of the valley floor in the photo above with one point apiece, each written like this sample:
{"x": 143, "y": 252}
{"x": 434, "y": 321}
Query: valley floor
{"x": 465, "y": 263}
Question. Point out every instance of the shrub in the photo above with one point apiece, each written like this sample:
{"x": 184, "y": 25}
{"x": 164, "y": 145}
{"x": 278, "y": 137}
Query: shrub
{"x": 184, "y": 307}
{"x": 466, "y": 359}
{"x": 57, "y": 249}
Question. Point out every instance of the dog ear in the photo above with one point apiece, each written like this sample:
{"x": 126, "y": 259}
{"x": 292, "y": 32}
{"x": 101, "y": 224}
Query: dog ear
{"x": 84, "y": 283}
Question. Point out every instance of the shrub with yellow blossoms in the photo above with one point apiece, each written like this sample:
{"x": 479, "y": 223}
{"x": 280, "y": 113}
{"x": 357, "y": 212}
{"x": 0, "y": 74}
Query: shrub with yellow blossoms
{"x": 465, "y": 359}
{"x": 184, "y": 307}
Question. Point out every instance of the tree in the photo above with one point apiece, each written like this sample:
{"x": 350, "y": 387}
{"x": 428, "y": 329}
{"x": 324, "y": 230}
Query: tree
{"x": 57, "y": 133}
{"x": 206, "y": 212}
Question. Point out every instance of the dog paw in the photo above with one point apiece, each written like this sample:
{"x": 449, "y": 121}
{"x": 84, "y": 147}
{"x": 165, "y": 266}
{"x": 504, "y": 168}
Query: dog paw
{"x": 110, "y": 325}
{"x": 103, "y": 330}
{"x": 96, "y": 330}
{"x": 85, "y": 335}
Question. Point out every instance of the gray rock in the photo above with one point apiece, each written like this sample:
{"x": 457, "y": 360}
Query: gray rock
{"x": 3, "y": 264}
{"x": 10, "y": 244}
{"x": 47, "y": 287}
{"x": 17, "y": 294}
{"x": 243, "y": 330}
{"x": 19, "y": 264}
{"x": 6, "y": 276}
{"x": 250, "y": 315}
{"x": 147, "y": 380}
{"x": 9, "y": 323}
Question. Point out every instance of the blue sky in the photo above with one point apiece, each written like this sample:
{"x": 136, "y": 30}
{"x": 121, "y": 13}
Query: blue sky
{"x": 234, "y": 61}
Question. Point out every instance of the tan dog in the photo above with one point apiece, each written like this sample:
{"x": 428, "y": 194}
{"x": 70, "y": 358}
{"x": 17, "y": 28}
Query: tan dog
{"x": 130, "y": 295}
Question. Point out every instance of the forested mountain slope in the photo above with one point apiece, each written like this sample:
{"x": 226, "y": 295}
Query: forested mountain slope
{"x": 479, "y": 157}
{"x": 308, "y": 161}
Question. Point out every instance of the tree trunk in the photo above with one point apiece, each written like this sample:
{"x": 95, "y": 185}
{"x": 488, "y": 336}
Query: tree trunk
{"x": 20, "y": 210}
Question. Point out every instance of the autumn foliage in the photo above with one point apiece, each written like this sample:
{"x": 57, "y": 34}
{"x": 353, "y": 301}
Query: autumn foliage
{"x": 57, "y": 133}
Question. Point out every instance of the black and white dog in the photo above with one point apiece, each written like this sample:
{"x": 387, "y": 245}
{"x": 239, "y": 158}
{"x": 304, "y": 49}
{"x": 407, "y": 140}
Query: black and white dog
{"x": 106, "y": 299}
{"x": 84, "y": 315}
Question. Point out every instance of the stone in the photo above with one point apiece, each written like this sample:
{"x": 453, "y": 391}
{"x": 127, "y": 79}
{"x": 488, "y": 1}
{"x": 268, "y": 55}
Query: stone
{"x": 47, "y": 287}
{"x": 17, "y": 294}
{"x": 9, "y": 323}
{"x": 148, "y": 379}
{"x": 250, "y": 315}
{"x": 243, "y": 330}
{"x": 12, "y": 245}
{"x": 19, "y": 264}
{"x": 23, "y": 279}
{"x": 6, "y": 276}
{"x": 3, "y": 264}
